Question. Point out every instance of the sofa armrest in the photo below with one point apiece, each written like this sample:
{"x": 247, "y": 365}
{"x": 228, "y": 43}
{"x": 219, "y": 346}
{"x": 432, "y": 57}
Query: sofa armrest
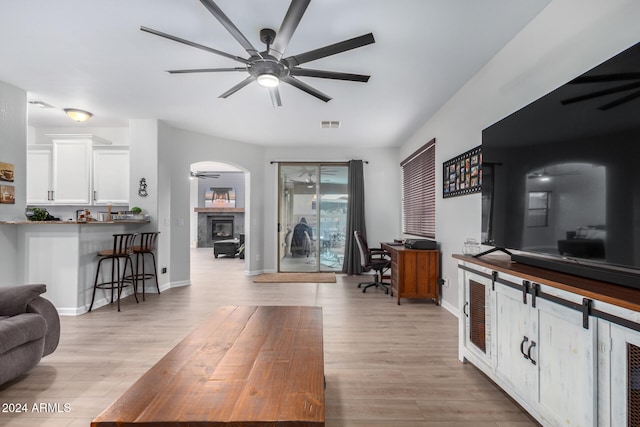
{"x": 47, "y": 310}
{"x": 14, "y": 299}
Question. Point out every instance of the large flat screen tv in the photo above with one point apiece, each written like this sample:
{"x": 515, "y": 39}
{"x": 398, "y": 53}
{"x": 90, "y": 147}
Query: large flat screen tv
{"x": 561, "y": 176}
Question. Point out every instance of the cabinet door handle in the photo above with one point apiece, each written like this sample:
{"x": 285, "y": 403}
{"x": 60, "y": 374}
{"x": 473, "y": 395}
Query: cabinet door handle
{"x": 524, "y": 340}
{"x": 533, "y": 344}
{"x": 95, "y": 195}
{"x": 464, "y": 309}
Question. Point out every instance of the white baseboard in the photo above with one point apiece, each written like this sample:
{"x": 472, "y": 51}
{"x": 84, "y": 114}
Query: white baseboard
{"x": 257, "y": 272}
{"x": 106, "y": 298}
{"x": 450, "y": 308}
{"x": 177, "y": 284}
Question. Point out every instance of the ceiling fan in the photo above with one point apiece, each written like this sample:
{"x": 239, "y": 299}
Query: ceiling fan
{"x": 633, "y": 78}
{"x": 204, "y": 174}
{"x": 545, "y": 175}
{"x": 269, "y": 67}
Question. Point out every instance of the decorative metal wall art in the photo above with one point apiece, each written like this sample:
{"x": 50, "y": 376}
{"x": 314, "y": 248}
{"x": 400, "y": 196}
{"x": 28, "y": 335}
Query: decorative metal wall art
{"x": 142, "y": 189}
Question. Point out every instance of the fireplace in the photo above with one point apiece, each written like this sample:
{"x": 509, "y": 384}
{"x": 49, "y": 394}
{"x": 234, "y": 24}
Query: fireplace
{"x": 221, "y": 228}
{"x": 215, "y": 226}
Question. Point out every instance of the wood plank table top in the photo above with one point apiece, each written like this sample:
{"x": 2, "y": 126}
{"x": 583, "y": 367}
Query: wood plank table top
{"x": 244, "y": 366}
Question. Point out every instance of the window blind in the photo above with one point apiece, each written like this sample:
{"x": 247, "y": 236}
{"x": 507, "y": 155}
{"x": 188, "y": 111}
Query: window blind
{"x": 419, "y": 192}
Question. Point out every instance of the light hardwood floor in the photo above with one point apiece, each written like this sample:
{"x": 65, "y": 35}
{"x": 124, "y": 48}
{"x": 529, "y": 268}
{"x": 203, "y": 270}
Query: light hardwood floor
{"x": 385, "y": 365}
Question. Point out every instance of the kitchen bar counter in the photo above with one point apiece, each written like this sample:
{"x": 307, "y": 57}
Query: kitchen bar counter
{"x": 26, "y": 222}
{"x": 62, "y": 255}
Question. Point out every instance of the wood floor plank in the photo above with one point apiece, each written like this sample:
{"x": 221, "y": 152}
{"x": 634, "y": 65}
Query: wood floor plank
{"x": 385, "y": 365}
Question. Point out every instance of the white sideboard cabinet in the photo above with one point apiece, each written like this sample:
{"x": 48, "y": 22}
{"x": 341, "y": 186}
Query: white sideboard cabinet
{"x": 567, "y": 349}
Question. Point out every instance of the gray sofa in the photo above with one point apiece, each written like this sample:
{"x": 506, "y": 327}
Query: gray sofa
{"x": 29, "y": 329}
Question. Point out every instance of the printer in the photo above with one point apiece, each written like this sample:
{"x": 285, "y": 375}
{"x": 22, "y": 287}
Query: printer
{"x": 420, "y": 244}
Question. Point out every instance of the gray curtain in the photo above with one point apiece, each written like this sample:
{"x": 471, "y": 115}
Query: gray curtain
{"x": 355, "y": 218}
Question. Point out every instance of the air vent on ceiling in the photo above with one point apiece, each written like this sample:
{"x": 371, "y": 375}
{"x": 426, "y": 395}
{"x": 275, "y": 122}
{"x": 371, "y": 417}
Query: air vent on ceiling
{"x": 330, "y": 124}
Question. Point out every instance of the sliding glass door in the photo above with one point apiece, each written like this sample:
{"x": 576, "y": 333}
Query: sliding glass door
{"x": 312, "y": 216}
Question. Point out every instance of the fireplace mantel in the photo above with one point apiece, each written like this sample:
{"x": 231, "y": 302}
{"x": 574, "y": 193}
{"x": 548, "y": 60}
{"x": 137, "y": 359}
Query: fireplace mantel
{"x": 219, "y": 210}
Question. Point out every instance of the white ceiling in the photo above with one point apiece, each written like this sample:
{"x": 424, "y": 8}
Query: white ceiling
{"x": 92, "y": 55}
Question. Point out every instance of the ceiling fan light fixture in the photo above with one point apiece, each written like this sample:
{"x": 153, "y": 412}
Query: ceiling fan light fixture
{"x": 268, "y": 80}
{"x": 78, "y": 115}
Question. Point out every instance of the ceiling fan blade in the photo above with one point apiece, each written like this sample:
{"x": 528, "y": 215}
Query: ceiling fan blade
{"x": 295, "y": 71}
{"x": 226, "y": 23}
{"x": 620, "y": 101}
{"x": 274, "y": 93}
{"x": 306, "y": 88}
{"x": 206, "y": 70}
{"x": 288, "y": 27}
{"x": 599, "y": 93}
{"x": 237, "y": 87}
{"x": 329, "y": 50}
{"x": 193, "y": 44}
{"x": 606, "y": 78}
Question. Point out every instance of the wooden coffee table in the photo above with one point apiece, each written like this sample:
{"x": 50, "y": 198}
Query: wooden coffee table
{"x": 244, "y": 366}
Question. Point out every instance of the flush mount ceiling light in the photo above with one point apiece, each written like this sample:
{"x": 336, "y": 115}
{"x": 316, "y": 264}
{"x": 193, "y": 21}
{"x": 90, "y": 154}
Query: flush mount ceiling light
{"x": 78, "y": 115}
{"x": 268, "y": 80}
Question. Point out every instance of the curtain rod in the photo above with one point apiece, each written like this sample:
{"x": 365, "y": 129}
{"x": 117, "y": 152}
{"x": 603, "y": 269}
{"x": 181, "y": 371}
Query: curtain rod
{"x": 308, "y": 162}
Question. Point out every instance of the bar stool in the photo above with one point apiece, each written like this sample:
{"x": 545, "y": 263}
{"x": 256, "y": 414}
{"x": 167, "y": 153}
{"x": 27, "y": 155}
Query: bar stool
{"x": 122, "y": 250}
{"x": 147, "y": 247}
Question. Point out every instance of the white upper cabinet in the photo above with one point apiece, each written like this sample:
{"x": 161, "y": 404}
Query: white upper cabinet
{"x": 39, "y": 176}
{"x": 77, "y": 170}
{"x": 71, "y": 172}
{"x": 110, "y": 176}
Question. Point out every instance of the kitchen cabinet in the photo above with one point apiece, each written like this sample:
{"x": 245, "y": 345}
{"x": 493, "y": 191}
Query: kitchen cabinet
{"x": 71, "y": 183}
{"x": 39, "y": 178}
{"x": 110, "y": 176}
{"x": 77, "y": 170}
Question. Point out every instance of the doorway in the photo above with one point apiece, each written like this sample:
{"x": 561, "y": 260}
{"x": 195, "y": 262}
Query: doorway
{"x": 218, "y": 193}
{"x": 312, "y": 216}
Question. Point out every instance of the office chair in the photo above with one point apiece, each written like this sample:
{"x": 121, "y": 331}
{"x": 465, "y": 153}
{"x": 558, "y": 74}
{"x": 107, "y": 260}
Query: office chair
{"x": 375, "y": 259}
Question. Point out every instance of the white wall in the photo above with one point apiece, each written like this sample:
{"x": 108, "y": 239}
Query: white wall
{"x": 13, "y": 137}
{"x": 566, "y": 39}
{"x": 178, "y": 149}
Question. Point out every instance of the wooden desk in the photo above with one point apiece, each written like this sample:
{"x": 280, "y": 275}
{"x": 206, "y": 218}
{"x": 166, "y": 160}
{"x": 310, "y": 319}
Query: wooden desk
{"x": 414, "y": 273}
{"x": 244, "y": 366}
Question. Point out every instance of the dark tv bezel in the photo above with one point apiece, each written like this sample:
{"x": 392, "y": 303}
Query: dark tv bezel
{"x": 609, "y": 273}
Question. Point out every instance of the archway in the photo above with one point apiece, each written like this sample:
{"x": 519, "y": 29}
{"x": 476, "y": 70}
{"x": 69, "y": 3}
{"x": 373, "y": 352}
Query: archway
{"x": 219, "y": 214}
